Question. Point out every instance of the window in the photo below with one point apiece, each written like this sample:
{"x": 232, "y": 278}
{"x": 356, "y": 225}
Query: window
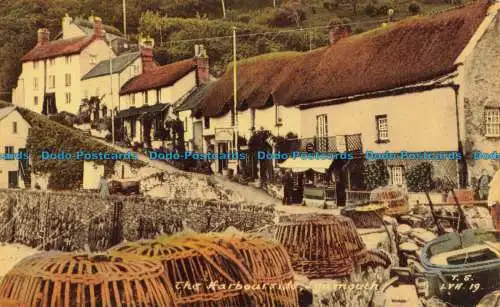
{"x": 35, "y": 83}
{"x": 322, "y": 132}
{"x": 52, "y": 62}
{"x": 93, "y": 59}
{"x": 185, "y": 124}
{"x": 14, "y": 127}
{"x": 492, "y": 119}
{"x": 67, "y": 79}
{"x": 68, "y": 97}
{"x": 146, "y": 97}
{"x": 52, "y": 81}
{"x": 9, "y": 149}
{"x": 206, "y": 122}
{"x": 68, "y": 59}
{"x": 132, "y": 99}
{"x": 35, "y": 100}
{"x": 397, "y": 175}
{"x": 35, "y": 65}
{"x": 382, "y": 128}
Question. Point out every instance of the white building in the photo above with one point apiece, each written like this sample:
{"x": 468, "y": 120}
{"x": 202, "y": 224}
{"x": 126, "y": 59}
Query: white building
{"x": 156, "y": 92}
{"x": 50, "y": 80}
{"x": 13, "y": 171}
{"x": 421, "y": 94}
{"x": 116, "y": 72}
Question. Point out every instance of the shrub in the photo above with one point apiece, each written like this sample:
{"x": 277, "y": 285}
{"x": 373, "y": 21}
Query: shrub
{"x": 375, "y": 174}
{"x": 383, "y": 10}
{"x": 414, "y": 8}
{"x": 419, "y": 178}
{"x": 288, "y": 15}
{"x": 245, "y": 18}
{"x": 371, "y": 10}
{"x": 64, "y": 118}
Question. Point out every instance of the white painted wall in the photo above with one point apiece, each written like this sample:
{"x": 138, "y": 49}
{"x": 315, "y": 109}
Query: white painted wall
{"x": 101, "y": 85}
{"x": 17, "y": 140}
{"x": 78, "y": 66}
{"x": 92, "y": 173}
{"x": 424, "y": 121}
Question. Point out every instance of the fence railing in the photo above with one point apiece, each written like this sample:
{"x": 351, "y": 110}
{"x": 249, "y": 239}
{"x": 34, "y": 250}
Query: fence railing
{"x": 357, "y": 197}
{"x": 338, "y": 143}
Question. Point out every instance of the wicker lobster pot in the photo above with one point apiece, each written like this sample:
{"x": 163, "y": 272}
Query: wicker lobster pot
{"x": 394, "y": 198}
{"x": 462, "y": 195}
{"x": 324, "y": 246}
{"x": 225, "y": 259}
{"x": 59, "y": 279}
{"x": 365, "y": 218}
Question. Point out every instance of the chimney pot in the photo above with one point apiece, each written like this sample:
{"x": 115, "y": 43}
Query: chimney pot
{"x": 43, "y": 36}
{"x": 98, "y": 31}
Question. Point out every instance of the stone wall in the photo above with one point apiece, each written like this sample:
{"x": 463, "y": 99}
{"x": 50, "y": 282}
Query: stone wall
{"x": 76, "y": 221}
{"x": 481, "y": 86}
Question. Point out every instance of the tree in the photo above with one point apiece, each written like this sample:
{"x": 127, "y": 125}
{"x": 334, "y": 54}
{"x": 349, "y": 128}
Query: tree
{"x": 375, "y": 174}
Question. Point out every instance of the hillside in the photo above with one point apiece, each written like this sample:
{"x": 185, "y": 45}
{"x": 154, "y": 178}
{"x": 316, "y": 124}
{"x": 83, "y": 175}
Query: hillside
{"x": 49, "y": 135}
{"x": 19, "y": 20}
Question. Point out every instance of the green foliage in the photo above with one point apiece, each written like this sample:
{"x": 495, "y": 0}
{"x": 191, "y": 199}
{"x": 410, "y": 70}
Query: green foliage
{"x": 419, "y": 178}
{"x": 288, "y": 15}
{"x": 414, "y": 8}
{"x": 375, "y": 174}
{"x": 51, "y": 136}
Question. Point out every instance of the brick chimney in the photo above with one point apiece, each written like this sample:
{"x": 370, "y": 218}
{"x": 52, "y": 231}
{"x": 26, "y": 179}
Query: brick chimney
{"x": 43, "y": 36}
{"x": 202, "y": 64}
{"x": 98, "y": 31}
{"x": 147, "y": 59}
{"x": 337, "y": 32}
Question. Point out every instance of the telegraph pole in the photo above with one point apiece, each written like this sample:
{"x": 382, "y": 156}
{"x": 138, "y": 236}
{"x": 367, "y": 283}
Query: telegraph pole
{"x": 124, "y": 19}
{"x": 111, "y": 97}
{"x": 223, "y": 8}
{"x": 235, "y": 94}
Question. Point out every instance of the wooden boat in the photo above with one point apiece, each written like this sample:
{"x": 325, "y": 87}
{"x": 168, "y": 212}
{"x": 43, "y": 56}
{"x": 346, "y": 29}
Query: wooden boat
{"x": 462, "y": 268}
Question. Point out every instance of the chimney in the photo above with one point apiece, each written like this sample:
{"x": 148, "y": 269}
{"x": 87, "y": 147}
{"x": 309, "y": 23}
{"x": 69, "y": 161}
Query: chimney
{"x": 98, "y": 31}
{"x": 147, "y": 59}
{"x": 43, "y": 36}
{"x": 66, "y": 22}
{"x": 337, "y": 32}
{"x": 202, "y": 64}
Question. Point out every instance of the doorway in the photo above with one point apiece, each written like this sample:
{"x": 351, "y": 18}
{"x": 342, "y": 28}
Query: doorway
{"x": 13, "y": 180}
{"x": 222, "y": 148}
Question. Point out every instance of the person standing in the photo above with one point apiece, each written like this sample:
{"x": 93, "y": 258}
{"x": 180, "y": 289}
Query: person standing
{"x": 103, "y": 187}
{"x": 494, "y": 200}
{"x": 287, "y": 188}
{"x": 483, "y": 185}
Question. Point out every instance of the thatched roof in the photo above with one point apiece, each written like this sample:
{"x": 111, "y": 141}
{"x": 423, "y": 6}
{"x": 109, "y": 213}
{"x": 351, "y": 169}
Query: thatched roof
{"x": 257, "y": 77}
{"x": 411, "y": 51}
{"x": 407, "y": 52}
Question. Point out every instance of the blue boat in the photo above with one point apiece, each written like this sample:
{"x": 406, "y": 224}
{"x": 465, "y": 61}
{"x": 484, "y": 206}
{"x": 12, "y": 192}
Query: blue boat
{"x": 461, "y": 268}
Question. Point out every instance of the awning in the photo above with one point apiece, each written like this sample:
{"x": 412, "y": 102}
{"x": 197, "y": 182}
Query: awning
{"x": 300, "y": 165}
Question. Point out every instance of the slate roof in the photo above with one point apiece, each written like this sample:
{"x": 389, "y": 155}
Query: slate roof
{"x": 119, "y": 64}
{"x": 194, "y": 99}
{"x": 58, "y": 48}
{"x": 158, "y": 77}
{"x": 130, "y": 112}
